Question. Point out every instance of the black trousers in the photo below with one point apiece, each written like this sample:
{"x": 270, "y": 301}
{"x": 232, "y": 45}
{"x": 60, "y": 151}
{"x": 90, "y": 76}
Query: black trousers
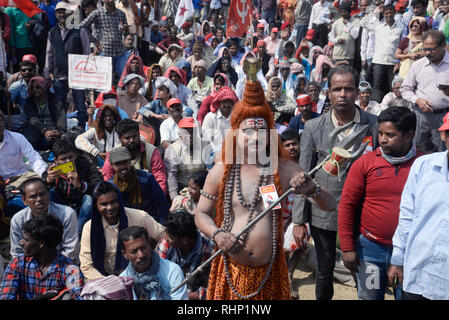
{"x": 325, "y": 246}
{"x": 412, "y": 296}
{"x": 382, "y": 78}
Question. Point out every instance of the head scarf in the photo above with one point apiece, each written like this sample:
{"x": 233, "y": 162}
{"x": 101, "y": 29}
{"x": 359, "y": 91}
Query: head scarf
{"x": 225, "y": 93}
{"x": 314, "y": 48}
{"x": 99, "y": 127}
{"x": 222, "y": 50}
{"x": 127, "y": 69}
{"x": 320, "y": 61}
{"x": 184, "y": 63}
{"x": 42, "y": 82}
{"x": 98, "y": 240}
{"x": 179, "y": 71}
{"x": 216, "y": 66}
{"x": 225, "y": 77}
{"x": 271, "y": 94}
{"x": 166, "y": 82}
{"x": 131, "y": 77}
{"x": 423, "y": 27}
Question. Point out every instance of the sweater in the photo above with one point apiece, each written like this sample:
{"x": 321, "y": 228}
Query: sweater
{"x": 377, "y": 186}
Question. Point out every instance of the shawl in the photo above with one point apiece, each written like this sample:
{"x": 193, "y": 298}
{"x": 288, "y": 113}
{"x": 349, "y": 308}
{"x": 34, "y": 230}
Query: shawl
{"x": 132, "y": 187}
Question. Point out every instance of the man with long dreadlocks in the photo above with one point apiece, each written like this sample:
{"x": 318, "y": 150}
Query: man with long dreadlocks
{"x": 252, "y": 267}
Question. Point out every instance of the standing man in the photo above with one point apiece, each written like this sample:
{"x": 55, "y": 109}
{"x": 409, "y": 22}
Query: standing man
{"x": 60, "y": 43}
{"x": 343, "y": 35}
{"x": 253, "y": 267}
{"x": 268, "y": 8}
{"x": 387, "y": 35}
{"x": 110, "y": 23}
{"x": 303, "y": 11}
{"x": 376, "y": 180}
{"x": 320, "y": 21}
{"x": 420, "y": 249}
{"x": 420, "y": 87}
{"x": 343, "y": 82}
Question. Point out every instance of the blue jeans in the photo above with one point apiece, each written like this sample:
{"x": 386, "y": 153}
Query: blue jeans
{"x": 85, "y": 213}
{"x": 372, "y": 277}
{"x": 301, "y": 31}
{"x": 268, "y": 15}
{"x": 118, "y": 63}
{"x": 61, "y": 87}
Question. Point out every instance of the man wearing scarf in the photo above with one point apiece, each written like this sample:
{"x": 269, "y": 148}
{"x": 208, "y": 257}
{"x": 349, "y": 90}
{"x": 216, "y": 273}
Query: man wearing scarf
{"x": 154, "y": 277}
{"x": 139, "y": 188}
{"x": 374, "y": 184}
{"x": 99, "y": 253}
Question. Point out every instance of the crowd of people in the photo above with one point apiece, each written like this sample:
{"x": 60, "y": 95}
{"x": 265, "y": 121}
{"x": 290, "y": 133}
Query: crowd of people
{"x": 137, "y": 186}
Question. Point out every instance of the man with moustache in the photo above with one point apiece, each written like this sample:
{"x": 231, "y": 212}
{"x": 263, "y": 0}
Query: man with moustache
{"x": 144, "y": 155}
{"x": 290, "y": 141}
{"x": 420, "y": 87}
{"x": 139, "y": 188}
{"x": 305, "y": 113}
{"x": 343, "y": 84}
{"x": 100, "y": 254}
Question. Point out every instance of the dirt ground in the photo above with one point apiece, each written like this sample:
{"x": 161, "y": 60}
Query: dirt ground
{"x": 304, "y": 282}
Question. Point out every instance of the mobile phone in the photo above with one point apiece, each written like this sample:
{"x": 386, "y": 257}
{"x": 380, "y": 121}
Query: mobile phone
{"x": 65, "y": 168}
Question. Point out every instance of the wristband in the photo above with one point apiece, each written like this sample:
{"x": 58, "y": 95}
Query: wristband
{"x": 215, "y": 233}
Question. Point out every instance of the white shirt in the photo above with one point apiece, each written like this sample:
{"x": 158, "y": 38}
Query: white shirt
{"x": 319, "y": 13}
{"x": 373, "y": 107}
{"x": 367, "y": 44}
{"x": 13, "y": 149}
{"x": 387, "y": 41}
{"x": 169, "y": 130}
{"x": 214, "y": 128}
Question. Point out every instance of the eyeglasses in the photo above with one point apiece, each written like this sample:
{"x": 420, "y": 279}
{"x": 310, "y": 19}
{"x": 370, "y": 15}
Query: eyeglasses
{"x": 26, "y": 69}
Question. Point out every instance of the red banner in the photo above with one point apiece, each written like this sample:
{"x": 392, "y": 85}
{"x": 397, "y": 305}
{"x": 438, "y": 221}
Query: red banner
{"x": 238, "y": 18}
{"x": 26, "y": 6}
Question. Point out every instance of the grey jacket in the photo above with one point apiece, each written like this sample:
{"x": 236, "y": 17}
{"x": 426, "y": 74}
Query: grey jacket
{"x": 303, "y": 11}
{"x": 315, "y": 135}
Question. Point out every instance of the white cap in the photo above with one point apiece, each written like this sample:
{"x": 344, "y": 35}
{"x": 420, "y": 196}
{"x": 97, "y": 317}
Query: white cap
{"x": 63, "y": 5}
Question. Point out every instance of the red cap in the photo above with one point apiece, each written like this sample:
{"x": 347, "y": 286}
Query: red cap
{"x": 186, "y": 24}
{"x": 310, "y": 34}
{"x": 173, "y": 101}
{"x": 275, "y": 30}
{"x": 303, "y": 99}
{"x": 163, "y": 18}
{"x": 260, "y": 25}
{"x": 285, "y": 25}
{"x": 261, "y": 43}
{"x": 400, "y": 6}
{"x": 445, "y": 125}
{"x": 29, "y": 57}
{"x": 187, "y": 123}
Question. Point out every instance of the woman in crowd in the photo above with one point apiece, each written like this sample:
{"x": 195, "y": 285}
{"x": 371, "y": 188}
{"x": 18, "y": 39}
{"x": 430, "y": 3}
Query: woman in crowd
{"x": 133, "y": 65}
{"x": 188, "y": 197}
{"x": 149, "y": 90}
{"x": 220, "y": 80}
{"x": 282, "y": 106}
{"x": 130, "y": 100}
{"x": 223, "y": 65}
{"x": 100, "y": 139}
{"x": 172, "y": 57}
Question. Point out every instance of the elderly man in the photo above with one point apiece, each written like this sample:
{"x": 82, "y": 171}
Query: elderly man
{"x": 420, "y": 87}
{"x": 139, "y": 188}
{"x": 365, "y": 102}
{"x": 343, "y": 83}
{"x": 201, "y": 85}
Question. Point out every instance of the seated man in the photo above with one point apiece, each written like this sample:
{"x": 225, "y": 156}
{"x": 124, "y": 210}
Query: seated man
{"x": 41, "y": 269}
{"x": 188, "y": 248}
{"x": 13, "y": 148}
{"x": 37, "y": 199}
{"x": 181, "y": 160}
{"x": 169, "y": 127}
{"x": 45, "y": 113}
{"x": 154, "y": 277}
{"x": 74, "y": 188}
{"x": 290, "y": 141}
{"x": 139, "y": 188}
{"x": 99, "y": 256}
{"x": 144, "y": 155}
{"x": 365, "y": 103}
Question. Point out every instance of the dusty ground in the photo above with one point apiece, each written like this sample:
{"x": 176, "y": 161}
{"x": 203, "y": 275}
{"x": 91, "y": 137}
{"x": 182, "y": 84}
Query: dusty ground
{"x": 304, "y": 282}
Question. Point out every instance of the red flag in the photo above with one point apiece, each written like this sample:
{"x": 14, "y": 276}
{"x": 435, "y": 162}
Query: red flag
{"x": 27, "y": 7}
{"x": 238, "y": 18}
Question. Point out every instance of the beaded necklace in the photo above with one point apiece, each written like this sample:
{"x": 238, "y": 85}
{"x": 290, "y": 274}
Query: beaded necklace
{"x": 228, "y": 221}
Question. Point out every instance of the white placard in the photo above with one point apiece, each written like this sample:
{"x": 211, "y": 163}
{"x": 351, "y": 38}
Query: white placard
{"x": 90, "y": 72}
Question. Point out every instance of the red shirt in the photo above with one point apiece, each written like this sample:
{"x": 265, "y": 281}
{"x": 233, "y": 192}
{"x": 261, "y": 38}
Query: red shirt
{"x": 379, "y": 185}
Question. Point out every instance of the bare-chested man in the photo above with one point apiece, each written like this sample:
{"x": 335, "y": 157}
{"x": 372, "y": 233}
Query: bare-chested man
{"x": 254, "y": 267}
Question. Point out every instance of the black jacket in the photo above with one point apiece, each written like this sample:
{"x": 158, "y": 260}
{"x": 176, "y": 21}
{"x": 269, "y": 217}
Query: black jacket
{"x": 57, "y": 113}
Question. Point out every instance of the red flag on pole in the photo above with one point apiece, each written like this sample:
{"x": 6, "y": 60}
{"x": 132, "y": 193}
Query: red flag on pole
{"x": 238, "y": 18}
{"x": 27, "y": 7}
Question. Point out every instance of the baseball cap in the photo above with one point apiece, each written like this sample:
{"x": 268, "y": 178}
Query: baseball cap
{"x": 445, "y": 125}
{"x": 285, "y": 25}
{"x": 364, "y": 85}
{"x": 260, "y": 25}
{"x": 173, "y": 101}
{"x": 63, "y": 6}
{"x": 276, "y": 30}
{"x": 303, "y": 99}
{"x": 118, "y": 154}
{"x": 187, "y": 123}
{"x": 400, "y": 6}
{"x": 29, "y": 57}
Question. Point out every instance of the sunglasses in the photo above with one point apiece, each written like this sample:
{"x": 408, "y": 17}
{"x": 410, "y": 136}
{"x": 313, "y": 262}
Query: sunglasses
{"x": 27, "y": 69}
